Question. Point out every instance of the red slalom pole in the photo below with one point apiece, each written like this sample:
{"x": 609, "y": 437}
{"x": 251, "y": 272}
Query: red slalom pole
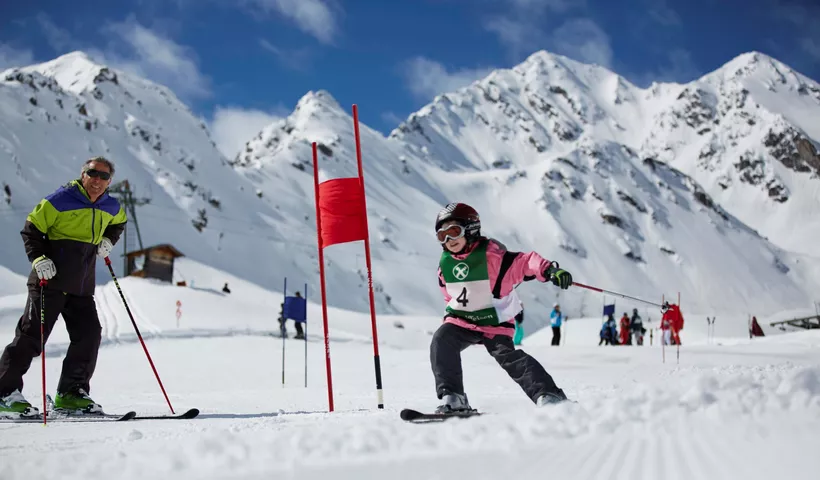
{"x": 134, "y": 323}
{"x": 376, "y": 360}
{"x": 663, "y": 334}
{"x": 677, "y": 334}
{"x": 322, "y": 278}
{"x": 43, "y": 284}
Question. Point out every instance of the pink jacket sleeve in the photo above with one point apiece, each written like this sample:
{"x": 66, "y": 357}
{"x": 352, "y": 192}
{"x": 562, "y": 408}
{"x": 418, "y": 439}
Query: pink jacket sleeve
{"x": 524, "y": 265}
{"x": 443, "y": 286}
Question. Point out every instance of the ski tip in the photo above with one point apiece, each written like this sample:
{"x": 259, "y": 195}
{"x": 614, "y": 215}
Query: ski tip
{"x": 409, "y": 414}
{"x": 192, "y": 413}
{"x": 127, "y": 416}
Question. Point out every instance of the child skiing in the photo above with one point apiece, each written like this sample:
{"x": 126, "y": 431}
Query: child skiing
{"x": 478, "y": 276}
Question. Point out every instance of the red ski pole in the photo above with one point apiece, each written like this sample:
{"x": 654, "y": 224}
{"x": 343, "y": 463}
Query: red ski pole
{"x": 111, "y": 270}
{"x": 609, "y": 292}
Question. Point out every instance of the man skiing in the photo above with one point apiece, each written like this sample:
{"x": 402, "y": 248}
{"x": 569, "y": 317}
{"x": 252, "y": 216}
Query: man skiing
{"x": 556, "y": 318}
{"x": 62, "y": 236}
{"x": 478, "y": 276}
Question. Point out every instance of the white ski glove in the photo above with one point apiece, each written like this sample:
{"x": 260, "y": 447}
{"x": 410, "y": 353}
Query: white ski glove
{"x": 45, "y": 268}
{"x": 104, "y": 248}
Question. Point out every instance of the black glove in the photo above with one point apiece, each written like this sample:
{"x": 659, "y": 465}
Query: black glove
{"x": 558, "y": 276}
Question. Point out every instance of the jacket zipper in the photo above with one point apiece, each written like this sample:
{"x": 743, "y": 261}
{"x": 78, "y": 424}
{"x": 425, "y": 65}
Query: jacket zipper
{"x": 93, "y": 214}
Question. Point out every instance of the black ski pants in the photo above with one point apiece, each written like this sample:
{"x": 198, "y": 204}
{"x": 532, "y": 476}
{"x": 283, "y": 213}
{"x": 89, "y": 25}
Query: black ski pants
{"x": 556, "y": 336}
{"x": 445, "y": 357}
{"x": 84, "y": 333}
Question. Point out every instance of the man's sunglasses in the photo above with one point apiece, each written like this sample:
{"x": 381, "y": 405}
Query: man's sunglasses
{"x": 453, "y": 232}
{"x": 97, "y": 173}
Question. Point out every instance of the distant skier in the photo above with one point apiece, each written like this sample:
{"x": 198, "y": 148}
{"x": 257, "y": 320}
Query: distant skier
{"x": 300, "y": 334}
{"x": 478, "y": 276}
{"x": 7, "y": 193}
{"x": 225, "y": 288}
{"x": 556, "y": 319}
{"x": 636, "y": 325}
{"x": 626, "y": 331}
{"x": 518, "y": 336}
{"x": 672, "y": 324}
{"x": 609, "y": 332}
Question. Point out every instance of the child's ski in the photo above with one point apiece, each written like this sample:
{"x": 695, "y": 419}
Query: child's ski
{"x": 410, "y": 415}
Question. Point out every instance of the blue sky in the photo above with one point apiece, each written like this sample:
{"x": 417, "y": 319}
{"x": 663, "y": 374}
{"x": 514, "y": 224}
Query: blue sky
{"x": 241, "y": 63}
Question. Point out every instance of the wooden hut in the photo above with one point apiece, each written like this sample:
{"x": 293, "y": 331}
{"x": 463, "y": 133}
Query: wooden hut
{"x": 153, "y": 262}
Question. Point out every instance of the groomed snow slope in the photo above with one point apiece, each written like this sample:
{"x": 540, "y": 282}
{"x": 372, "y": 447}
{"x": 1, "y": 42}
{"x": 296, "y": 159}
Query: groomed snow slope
{"x": 749, "y": 410}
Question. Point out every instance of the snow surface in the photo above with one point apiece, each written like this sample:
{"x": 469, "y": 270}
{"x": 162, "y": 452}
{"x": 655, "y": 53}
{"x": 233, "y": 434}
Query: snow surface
{"x": 747, "y": 410}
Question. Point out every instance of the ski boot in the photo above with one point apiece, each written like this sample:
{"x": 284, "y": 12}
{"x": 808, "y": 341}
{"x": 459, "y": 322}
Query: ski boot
{"x": 76, "y": 401}
{"x": 16, "y": 405}
{"x": 454, "y": 403}
{"x": 552, "y": 399}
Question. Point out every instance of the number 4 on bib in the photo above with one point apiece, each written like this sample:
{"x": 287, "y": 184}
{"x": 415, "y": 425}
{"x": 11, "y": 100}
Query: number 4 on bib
{"x": 462, "y": 297}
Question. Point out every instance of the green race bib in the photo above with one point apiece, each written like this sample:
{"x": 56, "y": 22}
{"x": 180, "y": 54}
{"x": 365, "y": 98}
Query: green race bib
{"x": 468, "y": 284}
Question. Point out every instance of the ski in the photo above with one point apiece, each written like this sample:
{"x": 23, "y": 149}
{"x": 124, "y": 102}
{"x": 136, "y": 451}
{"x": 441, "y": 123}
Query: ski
{"x": 60, "y": 417}
{"x": 192, "y": 413}
{"x": 414, "y": 416}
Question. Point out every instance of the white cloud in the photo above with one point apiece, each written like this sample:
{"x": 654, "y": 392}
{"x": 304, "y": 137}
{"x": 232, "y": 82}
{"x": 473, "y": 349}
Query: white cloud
{"x": 427, "y": 78}
{"x": 520, "y": 37}
{"x": 12, "y": 57}
{"x": 295, "y": 59}
{"x": 232, "y": 127}
{"x": 140, "y": 50}
{"x": 583, "y": 40}
{"x": 662, "y": 13}
{"x": 680, "y": 68}
{"x": 314, "y": 17}
{"x": 58, "y": 38}
{"x": 392, "y": 118}
{"x": 150, "y": 54}
{"x": 539, "y": 6}
{"x": 812, "y": 47}
{"x": 803, "y": 20}
{"x": 521, "y": 27}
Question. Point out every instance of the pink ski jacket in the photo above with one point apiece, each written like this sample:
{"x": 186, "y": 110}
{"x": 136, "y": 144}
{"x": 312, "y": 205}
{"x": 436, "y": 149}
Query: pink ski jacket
{"x": 525, "y": 266}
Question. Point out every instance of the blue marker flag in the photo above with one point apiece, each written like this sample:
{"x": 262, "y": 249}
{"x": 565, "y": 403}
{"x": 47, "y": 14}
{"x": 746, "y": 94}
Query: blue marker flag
{"x": 609, "y": 309}
{"x": 295, "y": 309}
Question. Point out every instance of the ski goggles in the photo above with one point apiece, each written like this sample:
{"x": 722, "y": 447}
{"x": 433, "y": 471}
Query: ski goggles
{"x": 98, "y": 173}
{"x": 452, "y": 232}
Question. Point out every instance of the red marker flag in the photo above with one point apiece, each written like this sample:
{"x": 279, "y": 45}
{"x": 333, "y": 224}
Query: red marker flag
{"x": 341, "y": 207}
{"x": 341, "y": 217}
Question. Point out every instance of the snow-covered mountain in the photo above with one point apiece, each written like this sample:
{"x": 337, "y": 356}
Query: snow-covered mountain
{"x": 746, "y": 132}
{"x": 565, "y": 158}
